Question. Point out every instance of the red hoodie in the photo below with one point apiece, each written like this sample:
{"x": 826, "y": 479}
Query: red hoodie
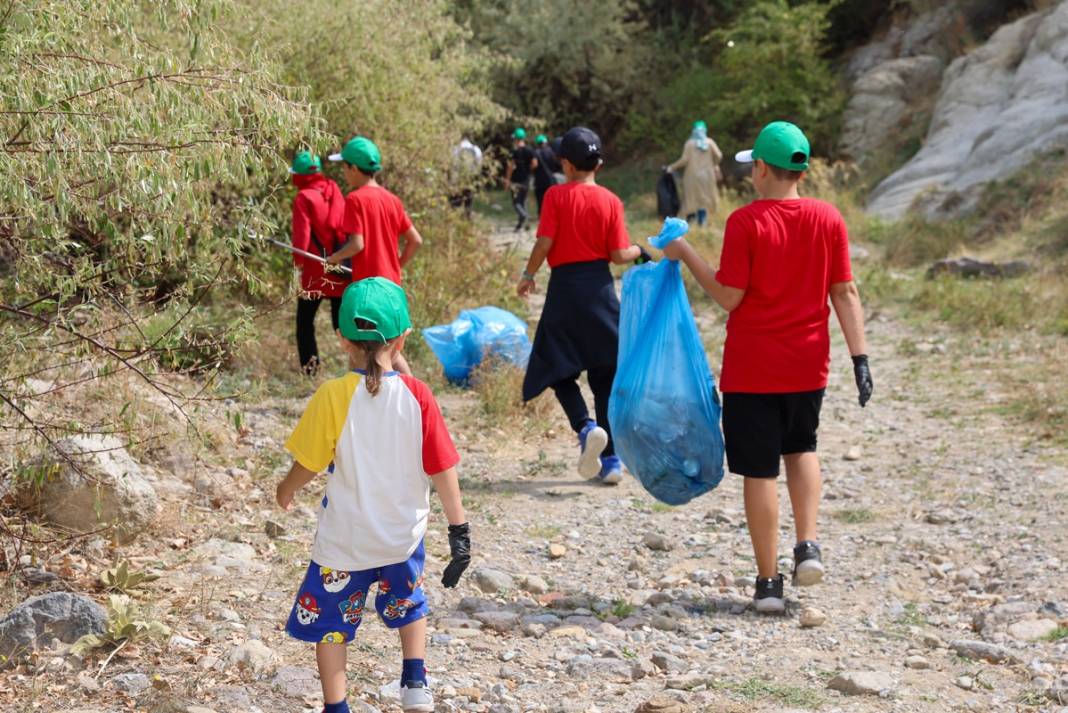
{"x": 317, "y": 213}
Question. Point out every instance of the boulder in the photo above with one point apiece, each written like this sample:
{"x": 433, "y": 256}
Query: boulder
{"x": 58, "y": 615}
{"x": 112, "y": 489}
{"x": 1001, "y": 106}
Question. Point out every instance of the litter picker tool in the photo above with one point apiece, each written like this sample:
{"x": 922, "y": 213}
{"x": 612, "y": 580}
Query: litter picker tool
{"x": 304, "y": 253}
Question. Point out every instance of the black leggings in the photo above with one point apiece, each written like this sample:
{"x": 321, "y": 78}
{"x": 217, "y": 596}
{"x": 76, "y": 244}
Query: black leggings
{"x": 306, "y": 346}
{"x": 570, "y": 397}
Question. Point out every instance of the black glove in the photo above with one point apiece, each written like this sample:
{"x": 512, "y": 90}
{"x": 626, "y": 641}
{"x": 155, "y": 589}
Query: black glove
{"x": 460, "y": 547}
{"x": 863, "y": 376}
{"x": 644, "y": 257}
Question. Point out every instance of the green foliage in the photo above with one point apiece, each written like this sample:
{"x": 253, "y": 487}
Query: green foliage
{"x": 122, "y": 579}
{"x": 126, "y": 622}
{"x": 767, "y": 64}
{"x": 564, "y": 63}
{"x": 1058, "y": 634}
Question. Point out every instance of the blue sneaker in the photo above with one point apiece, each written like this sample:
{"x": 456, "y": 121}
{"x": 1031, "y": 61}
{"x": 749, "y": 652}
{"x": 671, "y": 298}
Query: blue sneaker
{"x": 611, "y": 470}
{"x": 592, "y": 441}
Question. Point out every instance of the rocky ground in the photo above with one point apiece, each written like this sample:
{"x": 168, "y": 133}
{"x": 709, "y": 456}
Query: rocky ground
{"x": 945, "y": 532}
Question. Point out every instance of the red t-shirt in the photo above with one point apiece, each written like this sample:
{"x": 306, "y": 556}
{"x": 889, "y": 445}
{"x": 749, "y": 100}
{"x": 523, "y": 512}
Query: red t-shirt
{"x": 378, "y": 216}
{"x": 785, "y": 255}
{"x": 584, "y": 221}
{"x": 317, "y": 211}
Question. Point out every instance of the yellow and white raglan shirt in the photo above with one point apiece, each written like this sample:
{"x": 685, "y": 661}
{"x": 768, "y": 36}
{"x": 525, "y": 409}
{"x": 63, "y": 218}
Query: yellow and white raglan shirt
{"x": 383, "y": 448}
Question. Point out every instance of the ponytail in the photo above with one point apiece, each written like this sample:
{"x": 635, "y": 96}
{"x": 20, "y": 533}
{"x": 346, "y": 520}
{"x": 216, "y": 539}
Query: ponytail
{"x": 373, "y": 378}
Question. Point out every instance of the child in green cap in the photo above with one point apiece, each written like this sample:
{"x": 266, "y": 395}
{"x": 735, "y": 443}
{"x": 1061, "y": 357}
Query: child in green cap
{"x": 521, "y": 166}
{"x": 383, "y": 439}
{"x": 783, "y": 256}
{"x": 381, "y": 237}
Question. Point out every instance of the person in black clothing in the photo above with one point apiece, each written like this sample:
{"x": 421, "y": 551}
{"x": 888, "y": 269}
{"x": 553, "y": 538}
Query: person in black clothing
{"x": 517, "y": 177}
{"x": 547, "y": 166}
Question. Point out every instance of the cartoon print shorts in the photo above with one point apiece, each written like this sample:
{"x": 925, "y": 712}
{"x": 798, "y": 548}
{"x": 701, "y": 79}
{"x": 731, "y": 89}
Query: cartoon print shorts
{"x": 330, "y": 603}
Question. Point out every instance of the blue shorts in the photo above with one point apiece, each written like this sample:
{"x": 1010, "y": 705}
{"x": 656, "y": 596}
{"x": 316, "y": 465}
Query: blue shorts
{"x": 329, "y": 606}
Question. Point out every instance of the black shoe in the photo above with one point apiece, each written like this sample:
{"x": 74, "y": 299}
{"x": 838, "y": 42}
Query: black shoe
{"x": 808, "y": 564}
{"x": 768, "y": 595}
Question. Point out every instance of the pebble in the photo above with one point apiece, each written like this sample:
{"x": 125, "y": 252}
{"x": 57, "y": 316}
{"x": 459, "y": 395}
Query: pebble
{"x": 664, "y": 623}
{"x": 854, "y": 453}
{"x": 660, "y": 704}
{"x": 491, "y": 581}
{"x": 252, "y": 654}
{"x": 917, "y": 662}
{"x": 862, "y": 683}
{"x": 812, "y": 617}
{"x": 131, "y": 683}
{"x": 656, "y": 541}
{"x": 981, "y": 651}
{"x": 669, "y": 663}
{"x": 1032, "y": 629}
{"x": 499, "y": 621}
{"x": 533, "y": 584}
{"x": 273, "y": 529}
{"x": 965, "y": 682}
{"x": 561, "y": 632}
{"x": 556, "y": 551}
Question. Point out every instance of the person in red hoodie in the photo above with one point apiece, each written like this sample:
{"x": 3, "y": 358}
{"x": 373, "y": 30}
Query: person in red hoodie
{"x": 318, "y": 209}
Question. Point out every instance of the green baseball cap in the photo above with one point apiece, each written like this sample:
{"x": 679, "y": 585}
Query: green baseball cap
{"x": 305, "y": 163}
{"x": 362, "y": 153}
{"x": 541, "y": 139}
{"x": 519, "y": 133}
{"x": 377, "y": 300}
{"x": 781, "y": 144}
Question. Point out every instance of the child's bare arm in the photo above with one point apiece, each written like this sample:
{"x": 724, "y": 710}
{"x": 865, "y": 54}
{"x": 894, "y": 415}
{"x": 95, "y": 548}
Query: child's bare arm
{"x": 412, "y": 241}
{"x": 727, "y": 297}
{"x": 628, "y": 254}
{"x": 537, "y": 256}
{"x": 350, "y": 249}
{"x": 846, "y": 301}
{"x": 447, "y": 485}
{"x": 297, "y": 478}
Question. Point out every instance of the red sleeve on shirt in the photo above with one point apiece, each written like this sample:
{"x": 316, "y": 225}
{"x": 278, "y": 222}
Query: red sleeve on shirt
{"x": 301, "y": 230}
{"x": 841, "y": 269}
{"x": 547, "y": 220}
{"x": 403, "y": 221}
{"x": 617, "y": 237}
{"x": 439, "y": 453}
{"x": 734, "y": 258}
{"x": 352, "y": 223}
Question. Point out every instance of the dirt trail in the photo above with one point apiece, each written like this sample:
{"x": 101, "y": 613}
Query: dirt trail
{"x": 939, "y": 517}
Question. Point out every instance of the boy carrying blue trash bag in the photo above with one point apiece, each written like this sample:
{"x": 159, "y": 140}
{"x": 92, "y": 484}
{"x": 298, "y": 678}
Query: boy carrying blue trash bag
{"x": 783, "y": 257}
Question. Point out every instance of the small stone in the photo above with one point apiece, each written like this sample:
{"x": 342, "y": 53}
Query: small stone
{"x": 687, "y": 682}
{"x": 556, "y": 551}
{"x": 499, "y": 621}
{"x": 87, "y": 683}
{"x": 199, "y": 709}
{"x": 667, "y": 662}
{"x": 862, "y": 683}
{"x": 470, "y": 692}
{"x": 664, "y": 623}
{"x": 854, "y": 453}
{"x": 812, "y": 617}
{"x": 941, "y": 517}
{"x": 533, "y": 584}
{"x": 131, "y": 683}
{"x": 181, "y": 642}
{"x": 572, "y": 632}
{"x": 917, "y": 662}
{"x": 492, "y": 581}
{"x": 660, "y": 704}
{"x": 656, "y": 541}
{"x": 296, "y": 681}
{"x": 252, "y": 654}
{"x": 643, "y": 669}
{"x": 981, "y": 651}
{"x": 273, "y": 529}
{"x": 965, "y": 682}
{"x": 1032, "y": 629}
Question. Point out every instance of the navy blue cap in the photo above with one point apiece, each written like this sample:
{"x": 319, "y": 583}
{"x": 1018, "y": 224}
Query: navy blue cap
{"x": 579, "y": 146}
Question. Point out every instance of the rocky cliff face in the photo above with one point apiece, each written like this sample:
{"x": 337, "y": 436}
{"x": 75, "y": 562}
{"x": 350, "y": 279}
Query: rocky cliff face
{"x": 999, "y": 107}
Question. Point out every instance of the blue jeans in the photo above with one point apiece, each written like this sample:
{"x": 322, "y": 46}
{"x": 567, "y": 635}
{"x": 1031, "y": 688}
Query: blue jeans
{"x": 702, "y": 216}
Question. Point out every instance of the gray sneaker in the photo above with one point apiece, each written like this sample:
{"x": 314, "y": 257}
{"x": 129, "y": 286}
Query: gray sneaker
{"x": 808, "y": 564}
{"x": 417, "y": 700}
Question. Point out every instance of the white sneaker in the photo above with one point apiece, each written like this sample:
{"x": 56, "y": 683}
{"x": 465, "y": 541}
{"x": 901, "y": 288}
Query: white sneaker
{"x": 417, "y": 700}
{"x": 592, "y": 441}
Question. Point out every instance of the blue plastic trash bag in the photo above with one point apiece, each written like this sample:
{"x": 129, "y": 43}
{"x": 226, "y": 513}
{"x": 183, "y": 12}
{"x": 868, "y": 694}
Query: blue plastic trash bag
{"x": 664, "y": 412}
{"x": 477, "y": 333}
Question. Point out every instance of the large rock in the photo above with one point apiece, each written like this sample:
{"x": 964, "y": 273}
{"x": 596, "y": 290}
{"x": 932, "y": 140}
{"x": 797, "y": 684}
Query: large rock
{"x": 58, "y": 615}
{"x": 113, "y": 488}
{"x": 1001, "y": 106}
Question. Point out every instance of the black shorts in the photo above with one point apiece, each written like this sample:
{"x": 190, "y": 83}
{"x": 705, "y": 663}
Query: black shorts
{"x": 759, "y": 428}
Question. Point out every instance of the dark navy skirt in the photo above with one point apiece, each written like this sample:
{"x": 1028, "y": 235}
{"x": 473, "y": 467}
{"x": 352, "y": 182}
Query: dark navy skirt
{"x": 579, "y": 326}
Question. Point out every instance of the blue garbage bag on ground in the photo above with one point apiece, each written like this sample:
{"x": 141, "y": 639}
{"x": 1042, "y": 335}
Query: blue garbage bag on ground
{"x": 477, "y": 333}
{"x": 664, "y": 411}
